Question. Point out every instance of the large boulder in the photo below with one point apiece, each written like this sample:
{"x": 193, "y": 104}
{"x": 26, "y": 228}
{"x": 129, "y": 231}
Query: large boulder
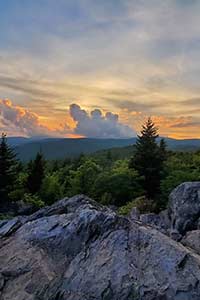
{"x": 184, "y": 208}
{"x": 77, "y": 249}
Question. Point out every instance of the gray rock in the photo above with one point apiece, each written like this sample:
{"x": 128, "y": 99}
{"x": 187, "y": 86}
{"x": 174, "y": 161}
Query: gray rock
{"x": 175, "y": 235}
{"x": 150, "y": 219}
{"x": 77, "y": 249}
{"x": 159, "y": 221}
{"x": 9, "y": 226}
{"x": 3, "y": 222}
{"x": 134, "y": 214}
{"x": 198, "y": 223}
{"x": 192, "y": 240}
{"x": 164, "y": 215}
{"x": 184, "y": 207}
{"x": 24, "y": 208}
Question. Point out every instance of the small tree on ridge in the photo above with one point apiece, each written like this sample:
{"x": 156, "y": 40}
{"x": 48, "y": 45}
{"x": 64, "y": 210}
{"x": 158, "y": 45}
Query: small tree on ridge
{"x": 148, "y": 158}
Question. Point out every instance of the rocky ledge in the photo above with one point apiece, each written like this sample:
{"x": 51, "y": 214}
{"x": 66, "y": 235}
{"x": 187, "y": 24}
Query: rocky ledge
{"x": 77, "y": 249}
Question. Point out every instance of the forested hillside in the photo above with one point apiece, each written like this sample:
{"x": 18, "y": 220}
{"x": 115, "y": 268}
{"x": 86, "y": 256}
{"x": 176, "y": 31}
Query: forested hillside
{"x": 142, "y": 175}
{"x": 55, "y": 148}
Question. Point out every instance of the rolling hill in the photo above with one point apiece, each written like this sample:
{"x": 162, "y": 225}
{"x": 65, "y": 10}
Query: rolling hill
{"x": 61, "y": 148}
{"x": 56, "y": 148}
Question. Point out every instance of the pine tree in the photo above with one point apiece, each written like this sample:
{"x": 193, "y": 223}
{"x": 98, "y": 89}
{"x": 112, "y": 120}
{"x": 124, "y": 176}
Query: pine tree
{"x": 148, "y": 158}
{"x": 36, "y": 171}
{"x": 163, "y": 149}
{"x": 8, "y": 171}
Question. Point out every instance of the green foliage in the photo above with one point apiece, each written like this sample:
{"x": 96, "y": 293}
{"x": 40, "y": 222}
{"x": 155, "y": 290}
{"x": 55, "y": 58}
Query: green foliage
{"x": 109, "y": 176}
{"x": 19, "y": 188}
{"x": 8, "y": 171}
{"x": 51, "y": 189}
{"x": 70, "y": 148}
{"x": 107, "y": 157}
{"x": 81, "y": 180}
{"x": 120, "y": 184}
{"x": 180, "y": 167}
{"x": 149, "y": 159}
{"x": 4, "y": 216}
{"x": 106, "y": 198}
{"x": 174, "y": 179}
{"x": 33, "y": 200}
{"x": 126, "y": 209}
{"x": 35, "y": 177}
{"x": 143, "y": 204}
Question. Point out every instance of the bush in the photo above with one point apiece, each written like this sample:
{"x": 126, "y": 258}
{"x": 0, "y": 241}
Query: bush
{"x": 51, "y": 189}
{"x": 5, "y": 216}
{"x": 106, "y": 199}
{"x": 33, "y": 200}
{"x": 120, "y": 183}
{"x": 143, "y": 204}
{"x": 81, "y": 181}
{"x": 19, "y": 188}
{"x": 126, "y": 209}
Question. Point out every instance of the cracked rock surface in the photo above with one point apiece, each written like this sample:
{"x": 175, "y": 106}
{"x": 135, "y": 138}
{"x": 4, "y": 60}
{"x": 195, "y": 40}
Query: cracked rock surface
{"x": 77, "y": 249}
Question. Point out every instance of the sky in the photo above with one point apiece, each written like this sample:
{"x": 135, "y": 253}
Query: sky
{"x": 99, "y": 68}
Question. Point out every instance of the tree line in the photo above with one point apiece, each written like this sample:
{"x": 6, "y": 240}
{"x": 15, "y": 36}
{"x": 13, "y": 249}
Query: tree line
{"x": 145, "y": 180}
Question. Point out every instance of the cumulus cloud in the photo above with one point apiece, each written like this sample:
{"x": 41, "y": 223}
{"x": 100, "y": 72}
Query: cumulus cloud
{"x": 16, "y": 120}
{"x": 98, "y": 125}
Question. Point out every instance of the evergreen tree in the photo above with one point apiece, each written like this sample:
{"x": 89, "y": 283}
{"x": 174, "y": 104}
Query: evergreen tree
{"x": 148, "y": 158}
{"x": 163, "y": 149}
{"x": 36, "y": 170}
{"x": 8, "y": 171}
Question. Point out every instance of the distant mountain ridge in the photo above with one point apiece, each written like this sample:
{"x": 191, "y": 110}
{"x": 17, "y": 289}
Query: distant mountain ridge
{"x": 59, "y": 148}
{"x": 19, "y": 140}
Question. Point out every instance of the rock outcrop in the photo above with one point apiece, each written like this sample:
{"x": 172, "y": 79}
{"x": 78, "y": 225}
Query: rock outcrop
{"x": 184, "y": 208}
{"x": 159, "y": 221}
{"x": 192, "y": 240}
{"x": 77, "y": 249}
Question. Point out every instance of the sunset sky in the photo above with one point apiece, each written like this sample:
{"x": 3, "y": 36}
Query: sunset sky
{"x": 99, "y": 68}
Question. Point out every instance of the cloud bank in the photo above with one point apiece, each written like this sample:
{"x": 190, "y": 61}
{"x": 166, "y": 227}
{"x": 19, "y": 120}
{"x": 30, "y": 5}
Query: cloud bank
{"x": 16, "y": 120}
{"x": 97, "y": 125}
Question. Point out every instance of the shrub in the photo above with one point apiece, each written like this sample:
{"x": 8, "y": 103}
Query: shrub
{"x": 34, "y": 200}
{"x": 106, "y": 199}
{"x": 51, "y": 189}
{"x": 143, "y": 204}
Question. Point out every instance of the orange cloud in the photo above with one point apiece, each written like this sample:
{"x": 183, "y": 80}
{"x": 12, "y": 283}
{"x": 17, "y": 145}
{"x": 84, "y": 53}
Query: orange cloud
{"x": 177, "y": 127}
{"x": 180, "y": 127}
{"x": 18, "y": 120}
